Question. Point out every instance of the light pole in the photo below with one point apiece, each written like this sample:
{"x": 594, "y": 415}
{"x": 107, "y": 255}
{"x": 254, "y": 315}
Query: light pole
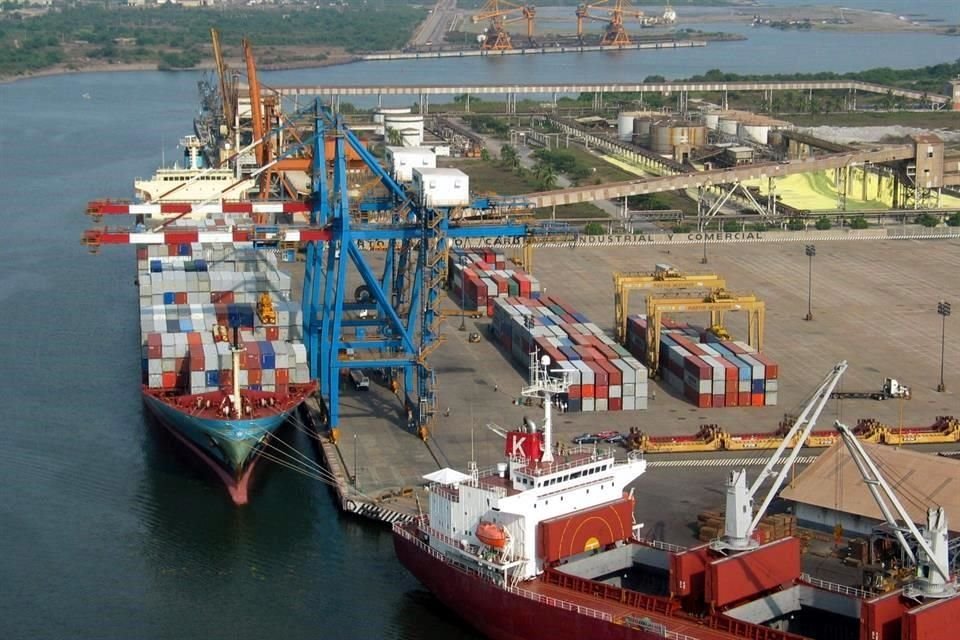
{"x": 463, "y": 287}
{"x": 943, "y": 308}
{"x": 356, "y": 471}
{"x": 810, "y": 250}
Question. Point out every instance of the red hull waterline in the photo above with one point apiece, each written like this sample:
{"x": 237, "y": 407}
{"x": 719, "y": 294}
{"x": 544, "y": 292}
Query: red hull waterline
{"x": 238, "y": 487}
{"x": 499, "y": 614}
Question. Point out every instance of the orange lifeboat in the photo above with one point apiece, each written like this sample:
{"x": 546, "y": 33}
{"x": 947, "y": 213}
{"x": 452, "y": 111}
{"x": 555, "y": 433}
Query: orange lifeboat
{"x": 492, "y": 534}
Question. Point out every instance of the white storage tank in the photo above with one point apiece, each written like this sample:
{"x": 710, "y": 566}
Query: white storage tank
{"x": 403, "y": 122}
{"x": 403, "y": 160}
{"x": 759, "y": 133}
{"x": 625, "y": 125}
{"x": 411, "y": 137}
{"x": 441, "y": 187}
{"x": 381, "y": 113}
{"x": 729, "y": 126}
{"x": 712, "y": 120}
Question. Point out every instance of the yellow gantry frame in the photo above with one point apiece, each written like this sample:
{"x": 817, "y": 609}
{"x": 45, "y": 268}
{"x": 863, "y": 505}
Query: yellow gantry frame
{"x": 715, "y": 305}
{"x": 623, "y": 283}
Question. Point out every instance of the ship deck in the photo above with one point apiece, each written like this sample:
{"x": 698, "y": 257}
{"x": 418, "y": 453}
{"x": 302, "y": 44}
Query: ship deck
{"x": 618, "y": 611}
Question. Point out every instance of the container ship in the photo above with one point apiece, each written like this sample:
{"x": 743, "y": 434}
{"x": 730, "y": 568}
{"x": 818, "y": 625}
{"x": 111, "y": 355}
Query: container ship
{"x": 223, "y": 360}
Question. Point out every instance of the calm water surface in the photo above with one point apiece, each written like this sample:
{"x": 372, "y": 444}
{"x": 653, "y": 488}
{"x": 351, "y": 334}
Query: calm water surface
{"x": 106, "y": 530}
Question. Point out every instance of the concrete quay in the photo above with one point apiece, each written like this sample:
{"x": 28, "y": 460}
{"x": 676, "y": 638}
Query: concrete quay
{"x": 874, "y": 304}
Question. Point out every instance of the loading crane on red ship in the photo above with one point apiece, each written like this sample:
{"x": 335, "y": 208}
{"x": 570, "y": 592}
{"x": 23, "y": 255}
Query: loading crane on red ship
{"x": 615, "y": 33}
{"x": 932, "y": 562}
{"x": 740, "y": 521}
{"x": 501, "y": 13}
{"x": 397, "y": 309}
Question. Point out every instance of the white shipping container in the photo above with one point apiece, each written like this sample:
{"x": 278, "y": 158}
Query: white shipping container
{"x": 588, "y": 404}
{"x": 601, "y": 404}
{"x": 615, "y": 391}
{"x": 770, "y": 399}
{"x": 629, "y": 403}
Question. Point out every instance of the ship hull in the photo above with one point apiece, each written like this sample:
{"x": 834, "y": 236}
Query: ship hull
{"x": 498, "y": 613}
{"x": 231, "y": 448}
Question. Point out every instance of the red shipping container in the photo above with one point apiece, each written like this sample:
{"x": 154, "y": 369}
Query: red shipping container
{"x": 180, "y": 297}
{"x": 586, "y": 530}
{"x": 197, "y": 361}
{"x": 283, "y": 376}
{"x": 169, "y": 380}
{"x": 718, "y": 401}
{"x": 615, "y": 404}
{"x": 142, "y": 253}
{"x": 744, "y": 399}
{"x": 771, "y": 370}
{"x": 283, "y": 389}
{"x": 600, "y": 377}
{"x": 254, "y": 376}
{"x": 936, "y": 619}
{"x": 226, "y": 378}
{"x": 489, "y": 308}
{"x": 575, "y": 391}
{"x": 193, "y": 339}
{"x": 730, "y": 399}
{"x": 704, "y": 400}
{"x": 752, "y": 573}
{"x": 756, "y": 399}
{"x": 586, "y": 390}
{"x": 601, "y": 392}
{"x": 614, "y": 375}
{"x": 273, "y": 333}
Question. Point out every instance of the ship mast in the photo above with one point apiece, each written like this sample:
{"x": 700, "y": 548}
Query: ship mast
{"x": 544, "y": 387}
{"x": 235, "y": 351}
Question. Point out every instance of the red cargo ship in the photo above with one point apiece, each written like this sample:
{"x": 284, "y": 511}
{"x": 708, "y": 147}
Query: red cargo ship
{"x": 508, "y": 549}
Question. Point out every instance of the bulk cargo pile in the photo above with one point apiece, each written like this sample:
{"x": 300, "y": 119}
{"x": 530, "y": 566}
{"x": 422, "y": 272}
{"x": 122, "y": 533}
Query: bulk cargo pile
{"x": 603, "y": 375}
{"x": 478, "y": 277}
{"x": 704, "y": 370}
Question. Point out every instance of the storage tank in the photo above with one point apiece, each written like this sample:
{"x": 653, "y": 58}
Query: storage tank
{"x": 712, "y": 120}
{"x": 411, "y": 137}
{"x": 381, "y": 113}
{"x": 404, "y": 121}
{"x": 625, "y": 125}
{"x": 729, "y": 126}
{"x": 667, "y": 134}
{"x": 641, "y": 130}
{"x": 759, "y": 133}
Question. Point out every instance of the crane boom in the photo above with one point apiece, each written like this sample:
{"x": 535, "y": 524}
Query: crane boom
{"x": 933, "y": 575}
{"x": 226, "y": 95}
{"x": 740, "y": 522}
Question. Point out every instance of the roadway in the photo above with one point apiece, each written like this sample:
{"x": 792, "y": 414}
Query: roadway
{"x": 433, "y": 30}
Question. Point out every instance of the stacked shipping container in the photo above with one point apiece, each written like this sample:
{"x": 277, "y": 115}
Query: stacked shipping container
{"x": 603, "y": 375}
{"x": 708, "y": 373}
{"x": 192, "y": 297}
{"x": 478, "y": 277}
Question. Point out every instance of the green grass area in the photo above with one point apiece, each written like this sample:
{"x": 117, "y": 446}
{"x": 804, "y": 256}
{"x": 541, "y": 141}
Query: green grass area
{"x": 488, "y": 178}
{"x": 601, "y": 170}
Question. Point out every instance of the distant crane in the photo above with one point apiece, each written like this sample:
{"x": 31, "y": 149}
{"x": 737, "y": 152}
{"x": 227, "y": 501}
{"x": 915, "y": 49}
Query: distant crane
{"x": 615, "y": 34}
{"x": 228, "y": 85}
{"x": 501, "y": 13}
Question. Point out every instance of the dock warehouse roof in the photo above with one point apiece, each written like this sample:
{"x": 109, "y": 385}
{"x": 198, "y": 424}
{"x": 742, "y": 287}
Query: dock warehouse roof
{"x": 919, "y": 480}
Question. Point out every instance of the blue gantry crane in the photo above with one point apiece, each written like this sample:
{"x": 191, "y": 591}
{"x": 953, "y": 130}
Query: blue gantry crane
{"x": 389, "y": 323}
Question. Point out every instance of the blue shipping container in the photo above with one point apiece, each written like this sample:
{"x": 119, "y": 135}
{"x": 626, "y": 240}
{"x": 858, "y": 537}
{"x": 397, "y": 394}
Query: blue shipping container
{"x": 169, "y": 298}
{"x": 213, "y": 378}
{"x": 757, "y": 386}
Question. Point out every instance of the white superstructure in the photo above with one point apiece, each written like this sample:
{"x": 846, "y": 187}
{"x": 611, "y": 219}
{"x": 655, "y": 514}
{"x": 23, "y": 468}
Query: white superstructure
{"x": 490, "y": 520}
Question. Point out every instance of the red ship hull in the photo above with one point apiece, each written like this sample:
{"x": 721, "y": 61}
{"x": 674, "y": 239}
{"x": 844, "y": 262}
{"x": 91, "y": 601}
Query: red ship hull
{"x": 503, "y": 615}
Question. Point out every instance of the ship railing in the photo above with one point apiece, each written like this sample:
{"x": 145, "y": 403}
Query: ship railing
{"x": 562, "y": 604}
{"x": 654, "y": 627}
{"x": 835, "y": 587}
{"x": 663, "y": 546}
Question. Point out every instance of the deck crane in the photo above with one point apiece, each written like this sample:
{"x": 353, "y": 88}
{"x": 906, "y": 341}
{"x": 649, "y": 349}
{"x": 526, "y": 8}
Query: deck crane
{"x": 663, "y": 276}
{"x": 740, "y": 521}
{"x": 501, "y": 13}
{"x": 933, "y": 579}
{"x": 615, "y": 33}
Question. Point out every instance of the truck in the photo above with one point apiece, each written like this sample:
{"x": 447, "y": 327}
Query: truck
{"x": 360, "y": 381}
{"x": 891, "y": 389}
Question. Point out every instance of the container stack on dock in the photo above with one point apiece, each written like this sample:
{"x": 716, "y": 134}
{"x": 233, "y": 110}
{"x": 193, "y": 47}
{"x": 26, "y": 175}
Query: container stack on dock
{"x": 706, "y": 371}
{"x": 190, "y": 304}
{"x": 603, "y": 375}
{"x": 478, "y": 277}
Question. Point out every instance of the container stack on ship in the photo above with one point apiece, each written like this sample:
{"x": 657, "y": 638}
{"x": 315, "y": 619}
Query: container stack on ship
{"x": 223, "y": 360}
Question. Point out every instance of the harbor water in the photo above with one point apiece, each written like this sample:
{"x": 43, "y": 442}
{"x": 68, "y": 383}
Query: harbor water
{"x": 106, "y": 529}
